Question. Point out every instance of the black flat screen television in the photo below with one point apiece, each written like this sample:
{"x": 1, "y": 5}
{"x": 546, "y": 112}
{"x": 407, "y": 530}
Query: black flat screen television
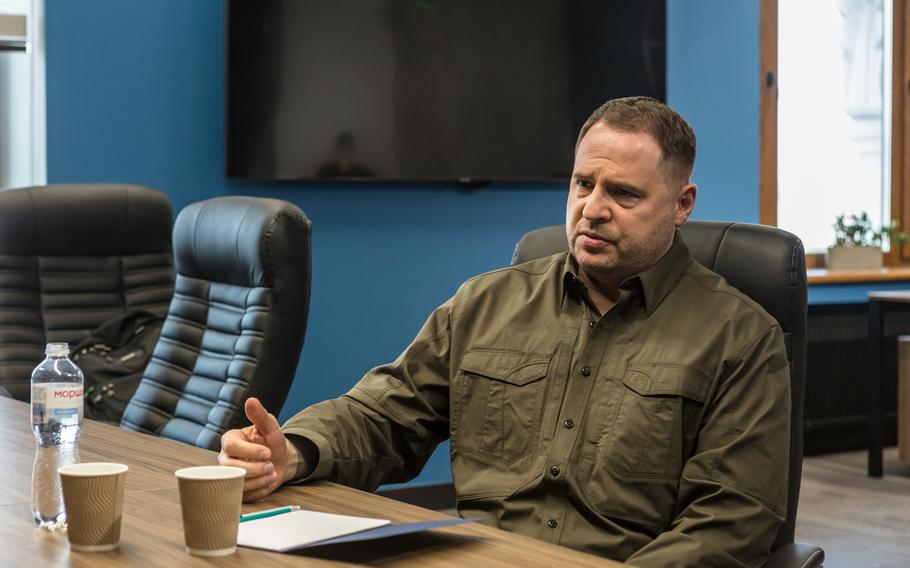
{"x": 469, "y": 90}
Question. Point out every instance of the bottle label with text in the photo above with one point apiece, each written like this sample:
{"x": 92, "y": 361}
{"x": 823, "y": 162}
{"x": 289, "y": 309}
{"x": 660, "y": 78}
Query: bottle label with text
{"x": 56, "y": 402}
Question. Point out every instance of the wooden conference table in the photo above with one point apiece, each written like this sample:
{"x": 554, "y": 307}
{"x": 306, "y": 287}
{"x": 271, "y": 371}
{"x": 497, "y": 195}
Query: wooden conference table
{"x": 152, "y": 531}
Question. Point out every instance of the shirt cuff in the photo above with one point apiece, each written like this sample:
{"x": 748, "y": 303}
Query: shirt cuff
{"x": 323, "y": 465}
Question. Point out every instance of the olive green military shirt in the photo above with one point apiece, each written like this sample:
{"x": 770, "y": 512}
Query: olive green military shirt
{"x": 656, "y": 434}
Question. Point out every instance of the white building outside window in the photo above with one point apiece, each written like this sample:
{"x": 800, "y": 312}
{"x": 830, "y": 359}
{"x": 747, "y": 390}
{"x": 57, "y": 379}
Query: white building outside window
{"x": 834, "y": 115}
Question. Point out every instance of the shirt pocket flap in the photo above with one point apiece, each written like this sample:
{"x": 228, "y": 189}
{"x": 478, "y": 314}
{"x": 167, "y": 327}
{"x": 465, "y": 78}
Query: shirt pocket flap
{"x": 510, "y": 367}
{"x": 656, "y": 380}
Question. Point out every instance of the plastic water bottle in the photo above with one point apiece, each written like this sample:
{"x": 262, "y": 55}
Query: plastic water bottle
{"x": 56, "y": 419}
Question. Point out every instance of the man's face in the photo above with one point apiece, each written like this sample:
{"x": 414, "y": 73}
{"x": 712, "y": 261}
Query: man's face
{"x": 621, "y": 213}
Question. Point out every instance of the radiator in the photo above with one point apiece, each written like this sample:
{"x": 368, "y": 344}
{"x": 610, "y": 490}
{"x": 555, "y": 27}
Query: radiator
{"x": 836, "y": 401}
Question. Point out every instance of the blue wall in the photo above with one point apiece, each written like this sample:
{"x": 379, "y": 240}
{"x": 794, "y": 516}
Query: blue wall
{"x": 135, "y": 93}
{"x": 712, "y": 80}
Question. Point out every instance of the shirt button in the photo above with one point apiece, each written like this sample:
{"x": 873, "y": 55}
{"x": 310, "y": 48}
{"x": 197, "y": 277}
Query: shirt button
{"x": 552, "y": 523}
{"x": 568, "y": 423}
{"x": 592, "y": 323}
{"x": 554, "y": 471}
{"x": 586, "y": 371}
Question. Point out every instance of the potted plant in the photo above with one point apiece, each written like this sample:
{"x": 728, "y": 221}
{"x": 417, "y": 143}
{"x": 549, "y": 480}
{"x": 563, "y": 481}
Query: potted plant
{"x": 857, "y": 245}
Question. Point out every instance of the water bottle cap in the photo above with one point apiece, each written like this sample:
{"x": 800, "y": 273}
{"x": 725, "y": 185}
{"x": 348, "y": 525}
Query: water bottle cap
{"x": 57, "y": 350}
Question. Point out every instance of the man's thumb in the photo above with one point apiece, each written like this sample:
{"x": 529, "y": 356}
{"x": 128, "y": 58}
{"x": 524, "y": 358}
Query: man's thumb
{"x": 261, "y": 419}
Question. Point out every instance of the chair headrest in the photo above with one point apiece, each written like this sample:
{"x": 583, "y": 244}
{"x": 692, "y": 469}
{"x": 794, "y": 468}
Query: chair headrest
{"x": 239, "y": 240}
{"x": 765, "y": 263}
{"x": 84, "y": 220}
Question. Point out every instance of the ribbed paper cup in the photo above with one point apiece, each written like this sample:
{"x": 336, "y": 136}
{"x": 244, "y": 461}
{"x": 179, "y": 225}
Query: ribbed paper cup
{"x": 93, "y": 496}
{"x": 210, "y": 499}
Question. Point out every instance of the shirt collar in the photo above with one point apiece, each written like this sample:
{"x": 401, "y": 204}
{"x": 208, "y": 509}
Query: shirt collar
{"x": 654, "y": 283}
{"x": 657, "y": 282}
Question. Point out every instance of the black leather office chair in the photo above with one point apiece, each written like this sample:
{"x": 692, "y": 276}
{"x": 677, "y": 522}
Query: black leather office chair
{"x": 72, "y": 257}
{"x": 236, "y": 324}
{"x": 769, "y": 266}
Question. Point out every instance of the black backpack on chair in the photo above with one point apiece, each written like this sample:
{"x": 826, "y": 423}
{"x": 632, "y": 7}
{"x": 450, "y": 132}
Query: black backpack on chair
{"x": 113, "y": 359}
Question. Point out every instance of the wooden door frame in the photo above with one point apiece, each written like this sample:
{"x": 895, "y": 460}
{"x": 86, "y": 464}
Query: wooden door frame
{"x": 767, "y": 143}
{"x": 900, "y": 127}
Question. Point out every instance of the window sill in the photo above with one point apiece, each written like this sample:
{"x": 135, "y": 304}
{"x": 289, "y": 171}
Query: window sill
{"x": 886, "y": 274}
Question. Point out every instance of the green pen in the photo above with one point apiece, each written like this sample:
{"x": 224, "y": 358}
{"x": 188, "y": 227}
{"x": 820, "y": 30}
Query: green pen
{"x": 268, "y": 513}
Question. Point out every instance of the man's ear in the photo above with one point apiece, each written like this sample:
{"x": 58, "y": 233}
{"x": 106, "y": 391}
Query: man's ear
{"x": 685, "y": 202}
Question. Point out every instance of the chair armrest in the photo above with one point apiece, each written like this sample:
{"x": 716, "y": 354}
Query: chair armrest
{"x": 796, "y": 555}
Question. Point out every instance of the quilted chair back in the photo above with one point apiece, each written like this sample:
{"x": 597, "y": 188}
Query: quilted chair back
{"x": 236, "y": 325}
{"x": 71, "y": 258}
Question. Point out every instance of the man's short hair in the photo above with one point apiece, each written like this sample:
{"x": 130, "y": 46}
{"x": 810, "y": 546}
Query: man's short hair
{"x": 672, "y": 133}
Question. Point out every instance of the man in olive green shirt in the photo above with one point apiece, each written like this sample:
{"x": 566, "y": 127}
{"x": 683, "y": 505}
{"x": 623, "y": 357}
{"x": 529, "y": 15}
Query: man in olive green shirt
{"x": 618, "y": 398}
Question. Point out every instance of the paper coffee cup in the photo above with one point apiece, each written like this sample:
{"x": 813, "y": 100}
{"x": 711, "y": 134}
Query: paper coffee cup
{"x": 210, "y": 499}
{"x": 93, "y": 497}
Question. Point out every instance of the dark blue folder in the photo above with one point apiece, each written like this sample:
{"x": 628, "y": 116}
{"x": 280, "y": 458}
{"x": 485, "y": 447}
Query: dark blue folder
{"x": 394, "y": 529}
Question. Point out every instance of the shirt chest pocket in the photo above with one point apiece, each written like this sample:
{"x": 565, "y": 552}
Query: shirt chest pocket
{"x": 656, "y": 421}
{"x": 500, "y": 397}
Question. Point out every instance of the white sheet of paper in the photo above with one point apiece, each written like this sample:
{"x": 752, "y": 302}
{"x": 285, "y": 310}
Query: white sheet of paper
{"x": 300, "y": 528}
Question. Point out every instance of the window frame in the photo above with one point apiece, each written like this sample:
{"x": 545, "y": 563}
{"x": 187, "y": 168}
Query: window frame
{"x": 900, "y": 124}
